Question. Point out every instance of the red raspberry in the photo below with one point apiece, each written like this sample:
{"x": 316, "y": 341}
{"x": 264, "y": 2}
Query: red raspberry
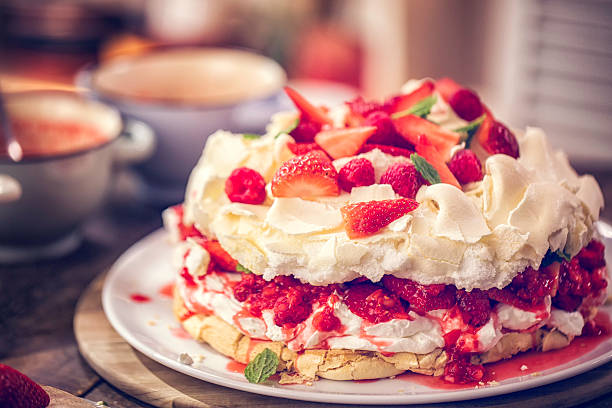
{"x": 528, "y": 288}
{"x": 459, "y": 370}
{"x": 326, "y": 321}
{"x": 422, "y": 298}
{"x": 599, "y": 279}
{"x": 404, "y": 178}
{"x": 567, "y": 302}
{"x": 392, "y": 150}
{"x": 466, "y": 104}
{"x": 360, "y": 107}
{"x": 385, "y": 130}
{"x": 474, "y": 306}
{"x": 292, "y": 308}
{"x": 245, "y": 185}
{"x": 19, "y": 391}
{"x": 249, "y": 284}
{"x": 302, "y": 148}
{"x": 501, "y": 141}
{"x": 356, "y": 173}
{"x": 305, "y": 131}
{"x": 591, "y": 328}
{"x": 374, "y": 303}
{"x": 367, "y": 218}
{"x": 592, "y": 256}
{"x": 465, "y": 166}
{"x": 574, "y": 284}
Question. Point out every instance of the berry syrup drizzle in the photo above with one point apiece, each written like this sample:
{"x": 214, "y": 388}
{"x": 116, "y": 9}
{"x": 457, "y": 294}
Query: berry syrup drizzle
{"x": 235, "y": 367}
{"x": 139, "y": 298}
{"x": 167, "y": 290}
{"x": 531, "y": 363}
{"x": 179, "y": 332}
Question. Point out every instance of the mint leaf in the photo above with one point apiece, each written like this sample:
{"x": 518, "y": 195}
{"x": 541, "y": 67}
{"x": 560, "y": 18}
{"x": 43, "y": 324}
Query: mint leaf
{"x": 564, "y": 255}
{"x": 250, "y": 136}
{"x": 470, "y": 129}
{"x": 261, "y": 367}
{"x": 240, "y": 268}
{"x": 289, "y": 128}
{"x": 421, "y": 108}
{"x": 558, "y": 256}
{"x": 428, "y": 172}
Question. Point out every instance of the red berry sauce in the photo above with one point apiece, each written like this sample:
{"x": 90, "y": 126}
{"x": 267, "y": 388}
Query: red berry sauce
{"x": 374, "y": 303}
{"x": 139, "y": 298}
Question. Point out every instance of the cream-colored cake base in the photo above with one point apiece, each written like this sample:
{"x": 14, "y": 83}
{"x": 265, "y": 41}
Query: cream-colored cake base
{"x": 348, "y": 364}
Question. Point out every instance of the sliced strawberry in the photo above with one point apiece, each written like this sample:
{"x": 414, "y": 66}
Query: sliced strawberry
{"x": 308, "y": 110}
{"x": 447, "y": 88}
{"x": 426, "y": 149}
{"x": 411, "y": 126}
{"x": 306, "y": 176}
{"x": 367, "y": 218}
{"x": 403, "y": 102}
{"x": 498, "y": 139}
{"x": 302, "y": 148}
{"x": 19, "y": 391}
{"x": 482, "y": 135}
{"x": 392, "y": 150}
{"x": 344, "y": 142}
{"x": 217, "y": 254}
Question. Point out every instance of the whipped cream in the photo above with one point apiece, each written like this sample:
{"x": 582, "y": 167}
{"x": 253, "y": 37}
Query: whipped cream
{"x": 514, "y": 318}
{"x": 480, "y": 238}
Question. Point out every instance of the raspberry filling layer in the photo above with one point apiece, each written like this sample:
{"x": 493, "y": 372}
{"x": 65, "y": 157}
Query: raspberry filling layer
{"x": 364, "y": 315}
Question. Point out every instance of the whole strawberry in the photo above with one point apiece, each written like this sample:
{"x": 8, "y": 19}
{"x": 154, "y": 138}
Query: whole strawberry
{"x": 18, "y": 391}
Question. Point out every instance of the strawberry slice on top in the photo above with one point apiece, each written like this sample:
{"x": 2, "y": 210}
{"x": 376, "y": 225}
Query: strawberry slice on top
{"x": 447, "y": 88}
{"x": 308, "y": 110}
{"x": 306, "y": 176}
{"x": 367, "y": 218}
{"x": 217, "y": 254}
{"x": 430, "y": 153}
{"x": 392, "y": 150}
{"x": 404, "y": 102}
{"x": 344, "y": 142}
{"x": 411, "y": 127}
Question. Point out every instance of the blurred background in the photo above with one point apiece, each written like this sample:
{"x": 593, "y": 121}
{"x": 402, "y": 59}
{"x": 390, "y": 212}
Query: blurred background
{"x": 541, "y": 62}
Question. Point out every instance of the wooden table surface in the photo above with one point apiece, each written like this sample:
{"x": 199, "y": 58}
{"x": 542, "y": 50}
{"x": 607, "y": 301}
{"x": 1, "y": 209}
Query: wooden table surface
{"x": 37, "y": 303}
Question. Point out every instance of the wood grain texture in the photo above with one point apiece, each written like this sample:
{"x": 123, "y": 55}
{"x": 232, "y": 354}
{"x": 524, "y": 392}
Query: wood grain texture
{"x": 153, "y": 383}
{"x": 63, "y": 399}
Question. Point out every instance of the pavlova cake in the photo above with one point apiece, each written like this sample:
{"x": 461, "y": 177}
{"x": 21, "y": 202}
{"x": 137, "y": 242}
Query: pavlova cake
{"x": 416, "y": 234}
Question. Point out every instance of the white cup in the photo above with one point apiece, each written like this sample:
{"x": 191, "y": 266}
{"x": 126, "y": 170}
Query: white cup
{"x": 47, "y": 195}
{"x": 185, "y": 95}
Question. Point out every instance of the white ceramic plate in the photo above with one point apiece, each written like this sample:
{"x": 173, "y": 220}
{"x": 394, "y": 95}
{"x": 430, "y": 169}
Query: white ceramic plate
{"x": 151, "y": 328}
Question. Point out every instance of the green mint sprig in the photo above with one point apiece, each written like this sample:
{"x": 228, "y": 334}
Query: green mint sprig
{"x": 240, "y": 268}
{"x": 470, "y": 129}
{"x": 250, "y": 136}
{"x": 428, "y": 172}
{"x": 261, "y": 367}
{"x": 557, "y": 256}
{"x": 422, "y": 108}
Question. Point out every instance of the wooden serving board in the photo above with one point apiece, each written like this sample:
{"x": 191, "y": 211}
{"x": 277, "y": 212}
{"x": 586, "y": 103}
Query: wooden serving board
{"x": 137, "y": 375}
{"x": 63, "y": 399}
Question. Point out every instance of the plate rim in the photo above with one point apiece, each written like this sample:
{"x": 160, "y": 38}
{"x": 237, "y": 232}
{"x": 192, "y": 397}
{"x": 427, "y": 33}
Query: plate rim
{"x": 215, "y": 377}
